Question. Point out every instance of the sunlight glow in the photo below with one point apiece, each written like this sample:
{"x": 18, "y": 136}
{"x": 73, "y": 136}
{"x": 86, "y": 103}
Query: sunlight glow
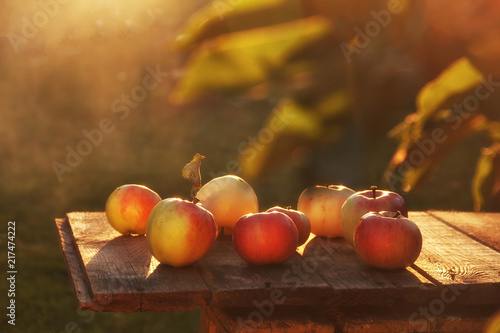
{"x": 53, "y": 22}
{"x": 301, "y": 248}
{"x": 152, "y": 266}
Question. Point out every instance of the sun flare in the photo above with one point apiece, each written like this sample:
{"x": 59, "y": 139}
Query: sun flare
{"x": 53, "y": 22}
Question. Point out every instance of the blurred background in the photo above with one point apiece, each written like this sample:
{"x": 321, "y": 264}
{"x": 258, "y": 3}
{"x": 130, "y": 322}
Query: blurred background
{"x": 285, "y": 93}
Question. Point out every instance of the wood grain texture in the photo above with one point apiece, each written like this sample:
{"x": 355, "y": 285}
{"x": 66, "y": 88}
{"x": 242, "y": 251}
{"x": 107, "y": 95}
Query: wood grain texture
{"x": 484, "y": 227}
{"x": 111, "y": 272}
{"x": 122, "y": 274}
{"x": 289, "y": 319}
{"x": 355, "y": 283}
{"x": 363, "y": 319}
{"x": 233, "y": 282}
{"x": 459, "y": 265}
{"x": 400, "y": 317}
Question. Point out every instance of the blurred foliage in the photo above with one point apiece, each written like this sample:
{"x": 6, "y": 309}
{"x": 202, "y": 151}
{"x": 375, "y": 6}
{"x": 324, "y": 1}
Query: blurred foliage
{"x": 246, "y": 58}
{"x": 337, "y": 65}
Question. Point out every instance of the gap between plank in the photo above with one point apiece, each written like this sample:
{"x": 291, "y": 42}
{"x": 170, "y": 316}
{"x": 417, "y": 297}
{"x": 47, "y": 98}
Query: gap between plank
{"x": 426, "y": 275}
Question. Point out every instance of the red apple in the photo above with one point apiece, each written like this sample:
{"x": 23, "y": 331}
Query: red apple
{"x": 363, "y": 202}
{"x": 300, "y": 219}
{"x": 128, "y": 207}
{"x": 387, "y": 240}
{"x": 265, "y": 238}
{"x": 228, "y": 198}
{"x": 180, "y": 232}
{"x": 322, "y": 206}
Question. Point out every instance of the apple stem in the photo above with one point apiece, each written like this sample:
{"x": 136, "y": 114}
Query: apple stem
{"x": 191, "y": 172}
{"x": 195, "y": 199}
{"x": 398, "y": 214}
{"x": 374, "y": 191}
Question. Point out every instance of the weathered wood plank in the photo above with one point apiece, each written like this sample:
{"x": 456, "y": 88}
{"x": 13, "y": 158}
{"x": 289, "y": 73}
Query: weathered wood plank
{"x": 484, "y": 227}
{"x": 362, "y": 319}
{"x": 206, "y": 325}
{"x": 457, "y": 263}
{"x": 233, "y": 282}
{"x": 356, "y": 319}
{"x": 289, "y": 319}
{"x": 355, "y": 283}
{"x": 122, "y": 274}
{"x": 73, "y": 264}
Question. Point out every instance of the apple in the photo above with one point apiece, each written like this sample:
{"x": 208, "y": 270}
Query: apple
{"x": 180, "y": 232}
{"x": 300, "y": 219}
{"x": 322, "y": 206}
{"x": 228, "y": 198}
{"x": 387, "y": 240}
{"x": 265, "y": 238}
{"x": 363, "y": 202}
{"x": 128, "y": 207}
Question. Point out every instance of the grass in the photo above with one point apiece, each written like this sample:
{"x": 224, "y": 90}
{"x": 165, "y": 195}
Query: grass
{"x": 48, "y": 96}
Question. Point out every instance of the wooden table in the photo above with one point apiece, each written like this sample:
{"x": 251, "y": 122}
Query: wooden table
{"x": 453, "y": 286}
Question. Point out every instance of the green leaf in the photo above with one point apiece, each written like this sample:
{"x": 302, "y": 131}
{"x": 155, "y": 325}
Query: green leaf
{"x": 415, "y": 159}
{"x": 453, "y": 85}
{"x": 245, "y": 58}
{"x": 459, "y": 77}
{"x": 213, "y": 18}
{"x": 484, "y": 169}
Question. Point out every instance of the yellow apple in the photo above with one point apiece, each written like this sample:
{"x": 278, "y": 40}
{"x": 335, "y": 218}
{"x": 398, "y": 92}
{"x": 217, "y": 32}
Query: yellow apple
{"x": 322, "y": 206}
{"x": 228, "y": 198}
{"x": 128, "y": 208}
{"x": 180, "y": 232}
{"x": 366, "y": 201}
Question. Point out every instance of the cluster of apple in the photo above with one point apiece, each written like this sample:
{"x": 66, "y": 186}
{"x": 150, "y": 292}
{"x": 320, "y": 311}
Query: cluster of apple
{"x": 180, "y": 232}
{"x": 375, "y": 222}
